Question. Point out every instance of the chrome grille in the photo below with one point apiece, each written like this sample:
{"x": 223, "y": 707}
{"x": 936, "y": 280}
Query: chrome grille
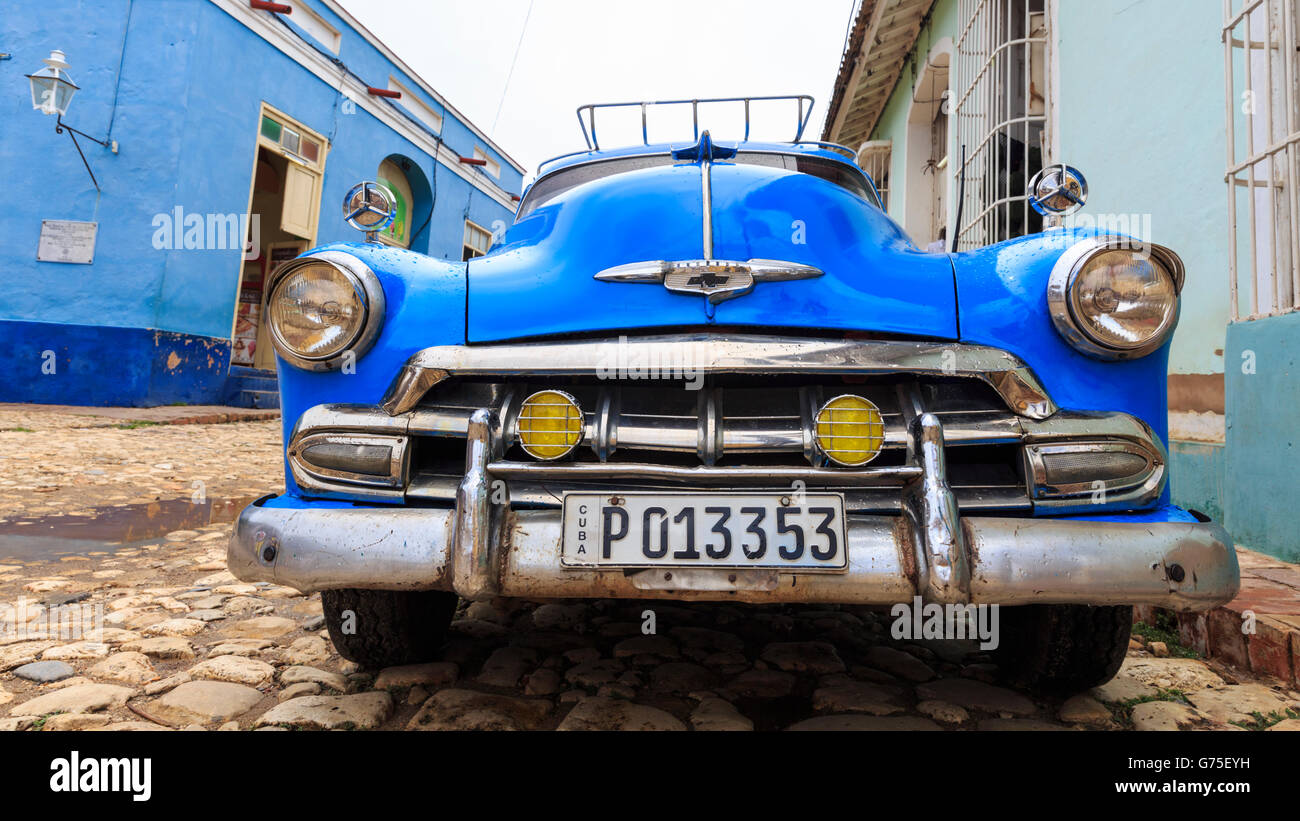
{"x": 750, "y": 424}
{"x": 737, "y": 426}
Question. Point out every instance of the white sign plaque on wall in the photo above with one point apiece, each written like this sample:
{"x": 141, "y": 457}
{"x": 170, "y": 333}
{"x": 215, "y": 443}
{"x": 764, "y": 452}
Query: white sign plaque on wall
{"x": 67, "y": 241}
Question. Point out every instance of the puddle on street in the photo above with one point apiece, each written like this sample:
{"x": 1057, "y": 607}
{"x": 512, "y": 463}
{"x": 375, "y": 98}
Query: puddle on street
{"x": 32, "y": 538}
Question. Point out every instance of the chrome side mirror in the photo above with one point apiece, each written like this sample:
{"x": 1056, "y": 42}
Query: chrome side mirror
{"x": 369, "y": 207}
{"x": 1057, "y": 190}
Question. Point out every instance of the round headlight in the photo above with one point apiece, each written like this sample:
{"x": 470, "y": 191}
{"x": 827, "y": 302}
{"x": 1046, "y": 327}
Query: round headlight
{"x": 1115, "y": 301}
{"x": 1122, "y": 299}
{"x": 317, "y": 311}
{"x": 323, "y": 306}
{"x": 549, "y": 424}
{"x": 849, "y": 430}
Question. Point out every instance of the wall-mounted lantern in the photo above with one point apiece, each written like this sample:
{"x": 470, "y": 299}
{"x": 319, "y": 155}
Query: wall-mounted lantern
{"x": 52, "y": 91}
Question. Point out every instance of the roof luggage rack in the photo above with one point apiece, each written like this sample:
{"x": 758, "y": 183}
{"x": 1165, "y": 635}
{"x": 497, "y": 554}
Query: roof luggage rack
{"x": 804, "y": 104}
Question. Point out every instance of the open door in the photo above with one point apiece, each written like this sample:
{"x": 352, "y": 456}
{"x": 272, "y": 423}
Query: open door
{"x": 301, "y": 201}
{"x": 285, "y": 206}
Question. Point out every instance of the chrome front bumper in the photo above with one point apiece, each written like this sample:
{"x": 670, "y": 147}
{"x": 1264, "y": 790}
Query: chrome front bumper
{"x": 482, "y": 548}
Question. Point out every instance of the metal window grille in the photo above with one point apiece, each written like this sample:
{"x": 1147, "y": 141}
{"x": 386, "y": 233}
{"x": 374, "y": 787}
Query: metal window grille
{"x": 1000, "y": 77}
{"x": 873, "y": 158}
{"x": 1261, "y": 70}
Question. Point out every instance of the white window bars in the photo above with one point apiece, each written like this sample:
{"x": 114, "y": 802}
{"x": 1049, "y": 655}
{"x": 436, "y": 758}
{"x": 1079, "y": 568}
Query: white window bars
{"x": 874, "y": 157}
{"x": 1000, "y": 78}
{"x": 1261, "y": 69}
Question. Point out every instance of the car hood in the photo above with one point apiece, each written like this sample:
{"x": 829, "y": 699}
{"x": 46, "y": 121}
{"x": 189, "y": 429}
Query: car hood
{"x": 539, "y": 280}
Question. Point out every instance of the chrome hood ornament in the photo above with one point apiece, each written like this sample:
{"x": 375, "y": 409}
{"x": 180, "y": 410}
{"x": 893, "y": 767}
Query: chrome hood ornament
{"x": 1057, "y": 191}
{"x": 371, "y": 207}
{"x": 715, "y": 279}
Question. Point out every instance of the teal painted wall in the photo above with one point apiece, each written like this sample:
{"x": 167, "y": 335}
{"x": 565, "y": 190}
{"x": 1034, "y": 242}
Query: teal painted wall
{"x": 1263, "y": 440}
{"x": 1140, "y": 105}
{"x": 1196, "y": 476}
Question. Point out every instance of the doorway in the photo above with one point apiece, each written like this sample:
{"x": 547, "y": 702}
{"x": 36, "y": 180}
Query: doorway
{"x": 284, "y": 206}
{"x": 927, "y": 158}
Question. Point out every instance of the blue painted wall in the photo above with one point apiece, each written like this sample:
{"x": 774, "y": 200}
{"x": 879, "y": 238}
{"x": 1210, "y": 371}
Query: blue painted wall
{"x": 179, "y": 84}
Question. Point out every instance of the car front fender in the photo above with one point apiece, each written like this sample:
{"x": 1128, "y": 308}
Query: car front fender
{"x": 424, "y": 305}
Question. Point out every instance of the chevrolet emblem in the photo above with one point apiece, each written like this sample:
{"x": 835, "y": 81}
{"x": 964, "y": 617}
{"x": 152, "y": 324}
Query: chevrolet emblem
{"x": 708, "y": 280}
{"x": 715, "y": 279}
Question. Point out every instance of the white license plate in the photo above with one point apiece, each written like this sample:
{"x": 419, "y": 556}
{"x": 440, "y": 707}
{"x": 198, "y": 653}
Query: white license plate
{"x": 769, "y": 530}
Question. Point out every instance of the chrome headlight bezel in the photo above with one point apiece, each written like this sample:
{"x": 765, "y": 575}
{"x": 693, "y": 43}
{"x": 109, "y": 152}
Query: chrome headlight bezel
{"x": 369, "y": 291}
{"x": 1060, "y": 286}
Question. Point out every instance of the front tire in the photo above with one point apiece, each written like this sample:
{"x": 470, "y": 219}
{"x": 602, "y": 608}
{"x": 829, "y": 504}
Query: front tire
{"x": 1063, "y": 647}
{"x": 384, "y": 628}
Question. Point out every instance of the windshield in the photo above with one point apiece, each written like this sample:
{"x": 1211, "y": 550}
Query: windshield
{"x": 552, "y": 185}
{"x": 833, "y": 171}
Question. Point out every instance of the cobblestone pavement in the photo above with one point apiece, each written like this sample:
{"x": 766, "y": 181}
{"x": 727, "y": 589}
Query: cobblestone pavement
{"x": 55, "y": 464}
{"x": 185, "y": 645}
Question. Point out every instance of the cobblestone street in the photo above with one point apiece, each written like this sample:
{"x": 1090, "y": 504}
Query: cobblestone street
{"x": 131, "y": 520}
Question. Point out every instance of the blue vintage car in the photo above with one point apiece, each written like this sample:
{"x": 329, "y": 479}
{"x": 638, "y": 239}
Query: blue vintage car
{"x": 718, "y": 371}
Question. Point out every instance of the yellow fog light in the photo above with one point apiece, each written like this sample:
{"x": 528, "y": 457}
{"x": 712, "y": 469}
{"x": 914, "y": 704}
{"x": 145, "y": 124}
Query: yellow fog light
{"x": 550, "y": 424}
{"x": 849, "y": 430}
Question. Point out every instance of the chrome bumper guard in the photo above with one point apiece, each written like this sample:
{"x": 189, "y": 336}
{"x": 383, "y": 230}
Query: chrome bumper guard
{"x": 483, "y": 549}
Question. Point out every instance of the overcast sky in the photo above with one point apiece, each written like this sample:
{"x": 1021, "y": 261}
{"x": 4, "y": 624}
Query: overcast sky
{"x": 585, "y": 51}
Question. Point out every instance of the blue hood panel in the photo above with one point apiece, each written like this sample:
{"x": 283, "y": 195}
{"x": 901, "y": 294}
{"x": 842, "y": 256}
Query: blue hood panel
{"x": 538, "y": 281}
{"x": 875, "y": 279}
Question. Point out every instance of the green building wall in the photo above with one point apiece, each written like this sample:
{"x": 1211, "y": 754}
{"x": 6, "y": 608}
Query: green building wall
{"x": 1138, "y": 97}
{"x": 893, "y": 119}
